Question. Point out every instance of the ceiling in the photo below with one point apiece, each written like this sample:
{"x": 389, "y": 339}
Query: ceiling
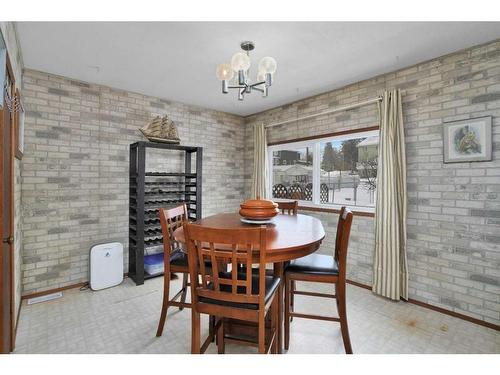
{"x": 177, "y": 60}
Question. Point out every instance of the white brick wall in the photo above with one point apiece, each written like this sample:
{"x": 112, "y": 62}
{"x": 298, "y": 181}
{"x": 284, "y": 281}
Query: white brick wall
{"x": 75, "y": 194}
{"x": 75, "y": 169}
{"x": 454, "y": 209}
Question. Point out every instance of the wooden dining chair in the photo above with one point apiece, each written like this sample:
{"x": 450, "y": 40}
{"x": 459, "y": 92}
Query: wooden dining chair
{"x": 174, "y": 260}
{"x": 322, "y": 269}
{"x": 232, "y": 294}
{"x": 289, "y": 208}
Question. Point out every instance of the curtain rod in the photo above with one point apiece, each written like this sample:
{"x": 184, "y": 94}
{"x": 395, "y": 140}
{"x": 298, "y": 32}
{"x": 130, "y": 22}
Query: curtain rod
{"x": 338, "y": 109}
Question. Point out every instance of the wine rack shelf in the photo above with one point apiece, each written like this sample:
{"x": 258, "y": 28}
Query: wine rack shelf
{"x": 151, "y": 190}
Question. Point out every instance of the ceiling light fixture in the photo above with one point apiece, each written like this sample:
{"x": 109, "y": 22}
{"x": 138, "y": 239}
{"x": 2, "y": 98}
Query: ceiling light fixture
{"x": 240, "y": 64}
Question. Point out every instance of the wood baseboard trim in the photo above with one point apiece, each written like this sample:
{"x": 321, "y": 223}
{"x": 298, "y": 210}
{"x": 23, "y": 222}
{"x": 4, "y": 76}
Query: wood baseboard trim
{"x": 18, "y": 313}
{"x": 364, "y": 286}
{"x": 352, "y": 282}
{"x": 438, "y": 309}
{"x": 17, "y": 324}
{"x": 50, "y": 291}
{"x": 455, "y": 314}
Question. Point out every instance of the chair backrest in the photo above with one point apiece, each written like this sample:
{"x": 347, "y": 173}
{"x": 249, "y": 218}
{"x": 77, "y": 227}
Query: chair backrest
{"x": 288, "y": 207}
{"x": 170, "y": 220}
{"x": 342, "y": 239}
{"x": 225, "y": 247}
{"x": 295, "y": 192}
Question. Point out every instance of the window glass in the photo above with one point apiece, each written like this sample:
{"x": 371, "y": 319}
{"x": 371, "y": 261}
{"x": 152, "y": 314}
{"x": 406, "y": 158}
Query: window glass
{"x": 292, "y": 174}
{"x": 348, "y": 171}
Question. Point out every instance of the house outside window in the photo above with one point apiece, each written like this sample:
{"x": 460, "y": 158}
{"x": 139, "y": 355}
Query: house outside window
{"x": 327, "y": 172}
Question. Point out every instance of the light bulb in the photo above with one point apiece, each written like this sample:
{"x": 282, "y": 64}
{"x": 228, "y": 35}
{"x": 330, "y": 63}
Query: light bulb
{"x": 240, "y": 61}
{"x": 267, "y": 65}
{"x": 224, "y": 72}
{"x": 261, "y": 77}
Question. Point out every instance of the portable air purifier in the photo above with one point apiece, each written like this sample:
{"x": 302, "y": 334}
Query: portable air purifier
{"x": 106, "y": 265}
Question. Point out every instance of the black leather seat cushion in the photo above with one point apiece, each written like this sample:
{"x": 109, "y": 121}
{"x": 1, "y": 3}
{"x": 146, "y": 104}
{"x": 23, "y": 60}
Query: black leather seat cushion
{"x": 180, "y": 258}
{"x": 314, "y": 264}
{"x": 272, "y": 284}
{"x": 255, "y": 271}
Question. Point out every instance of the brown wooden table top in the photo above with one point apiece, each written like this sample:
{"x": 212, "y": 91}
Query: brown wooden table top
{"x": 288, "y": 236}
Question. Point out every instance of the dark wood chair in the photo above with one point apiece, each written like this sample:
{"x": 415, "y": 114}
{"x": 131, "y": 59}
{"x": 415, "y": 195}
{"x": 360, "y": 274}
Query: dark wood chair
{"x": 289, "y": 208}
{"x": 322, "y": 269}
{"x": 238, "y": 295}
{"x": 174, "y": 260}
{"x": 295, "y": 192}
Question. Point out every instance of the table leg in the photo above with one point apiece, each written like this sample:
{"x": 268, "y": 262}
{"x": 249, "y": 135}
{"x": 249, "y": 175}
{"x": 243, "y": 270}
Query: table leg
{"x": 278, "y": 272}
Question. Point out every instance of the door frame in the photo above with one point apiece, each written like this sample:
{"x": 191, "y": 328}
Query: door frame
{"x": 13, "y": 327}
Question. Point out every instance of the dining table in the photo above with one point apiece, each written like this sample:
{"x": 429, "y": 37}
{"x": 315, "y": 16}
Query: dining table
{"x": 288, "y": 237}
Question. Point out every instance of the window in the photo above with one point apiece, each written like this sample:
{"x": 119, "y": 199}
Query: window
{"x": 293, "y": 173}
{"x": 327, "y": 172}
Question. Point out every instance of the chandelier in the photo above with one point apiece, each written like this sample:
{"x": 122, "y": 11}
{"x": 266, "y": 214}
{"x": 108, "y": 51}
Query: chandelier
{"x": 240, "y": 64}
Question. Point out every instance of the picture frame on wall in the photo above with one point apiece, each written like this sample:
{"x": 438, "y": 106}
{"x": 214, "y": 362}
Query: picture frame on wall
{"x": 3, "y": 66}
{"x": 467, "y": 140}
{"x": 19, "y": 126}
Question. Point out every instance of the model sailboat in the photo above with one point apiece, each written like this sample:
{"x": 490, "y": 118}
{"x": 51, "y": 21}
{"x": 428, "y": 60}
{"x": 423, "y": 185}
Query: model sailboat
{"x": 161, "y": 130}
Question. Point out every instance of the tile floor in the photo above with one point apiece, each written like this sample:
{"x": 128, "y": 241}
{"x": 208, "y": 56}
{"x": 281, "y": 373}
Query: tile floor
{"x": 123, "y": 319}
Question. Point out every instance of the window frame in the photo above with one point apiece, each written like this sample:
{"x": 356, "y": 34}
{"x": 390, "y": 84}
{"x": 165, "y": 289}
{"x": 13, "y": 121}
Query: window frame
{"x": 314, "y": 143}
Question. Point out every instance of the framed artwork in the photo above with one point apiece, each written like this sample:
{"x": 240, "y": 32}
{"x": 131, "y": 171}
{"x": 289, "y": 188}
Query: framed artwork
{"x": 19, "y": 126}
{"x": 3, "y": 65}
{"x": 467, "y": 140}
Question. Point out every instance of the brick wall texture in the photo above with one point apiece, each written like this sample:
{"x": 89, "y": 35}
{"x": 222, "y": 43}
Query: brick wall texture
{"x": 75, "y": 169}
{"x": 453, "y": 209}
{"x": 74, "y": 173}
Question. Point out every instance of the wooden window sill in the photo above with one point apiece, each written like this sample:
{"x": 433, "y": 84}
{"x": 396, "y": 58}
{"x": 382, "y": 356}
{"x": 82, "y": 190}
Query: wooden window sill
{"x": 335, "y": 210}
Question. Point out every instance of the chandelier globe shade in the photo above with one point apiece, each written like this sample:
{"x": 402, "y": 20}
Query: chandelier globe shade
{"x": 240, "y": 61}
{"x": 267, "y": 65}
{"x": 224, "y": 72}
{"x": 236, "y": 75}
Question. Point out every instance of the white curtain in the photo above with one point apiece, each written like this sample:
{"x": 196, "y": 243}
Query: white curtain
{"x": 390, "y": 276}
{"x": 259, "y": 176}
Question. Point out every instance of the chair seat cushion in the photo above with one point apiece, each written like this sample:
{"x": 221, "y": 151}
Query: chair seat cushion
{"x": 255, "y": 271}
{"x": 314, "y": 264}
{"x": 180, "y": 259}
{"x": 272, "y": 284}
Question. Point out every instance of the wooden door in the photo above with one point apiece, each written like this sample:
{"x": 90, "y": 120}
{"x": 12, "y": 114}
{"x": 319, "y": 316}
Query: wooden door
{"x": 6, "y": 228}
